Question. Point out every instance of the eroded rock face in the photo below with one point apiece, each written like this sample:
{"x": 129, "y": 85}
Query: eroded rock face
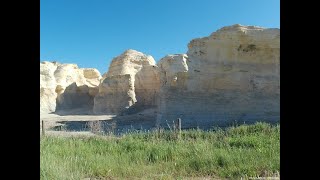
{"x": 147, "y": 86}
{"x": 170, "y": 66}
{"x": 129, "y": 75}
{"x": 93, "y": 78}
{"x": 116, "y": 94}
{"x": 65, "y": 86}
{"x": 231, "y": 75}
{"x": 129, "y": 62}
{"x": 47, "y": 87}
{"x": 75, "y": 96}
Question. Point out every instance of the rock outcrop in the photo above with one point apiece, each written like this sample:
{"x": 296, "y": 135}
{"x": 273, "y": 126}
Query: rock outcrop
{"x": 170, "y": 66}
{"x": 130, "y": 72}
{"x": 116, "y": 94}
{"x": 231, "y": 75}
{"x": 48, "y": 85}
{"x": 129, "y": 62}
{"x": 147, "y": 86}
{"x": 65, "y": 86}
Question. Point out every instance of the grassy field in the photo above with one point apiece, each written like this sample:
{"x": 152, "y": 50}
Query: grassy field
{"x": 243, "y": 151}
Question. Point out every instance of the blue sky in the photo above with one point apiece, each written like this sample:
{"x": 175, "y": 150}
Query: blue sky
{"x": 92, "y": 32}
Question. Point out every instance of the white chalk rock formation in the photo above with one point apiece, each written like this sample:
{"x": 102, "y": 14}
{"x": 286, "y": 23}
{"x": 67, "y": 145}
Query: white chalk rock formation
{"x": 117, "y": 91}
{"x": 65, "y": 86}
{"x": 231, "y": 75}
{"x": 129, "y": 62}
{"x": 93, "y": 78}
{"x": 116, "y": 94}
{"x": 147, "y": 86}
{"x": 170, "y": 66}
{"x": 47, "y": 87}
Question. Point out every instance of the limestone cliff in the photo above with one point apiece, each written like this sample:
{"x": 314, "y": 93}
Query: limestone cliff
{"x": 231, "y": 75}
{"x": 147, "y": 86}
{"x": 128, "y": 81}
{"x": 47, "y": 87}
{"x": 170, "y": 66}
{"x": 65, "y": 86}
{"x": 129, "y": 62}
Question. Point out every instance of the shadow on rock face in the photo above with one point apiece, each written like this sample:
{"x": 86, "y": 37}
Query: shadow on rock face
{"x": 75, "y": 100}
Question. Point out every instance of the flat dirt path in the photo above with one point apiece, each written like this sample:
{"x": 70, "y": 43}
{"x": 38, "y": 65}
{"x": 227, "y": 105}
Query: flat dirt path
{"x": 52, "y": 121}
{"x": 77, "y": 124}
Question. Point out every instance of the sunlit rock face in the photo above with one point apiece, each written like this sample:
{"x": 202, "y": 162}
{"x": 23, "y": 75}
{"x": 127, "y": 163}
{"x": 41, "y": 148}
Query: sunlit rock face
{"x": 65, "y": 86}
{"x": 47, "y": 87}
{"x": 232, "y": 75}
{"x": 130, "y": 85}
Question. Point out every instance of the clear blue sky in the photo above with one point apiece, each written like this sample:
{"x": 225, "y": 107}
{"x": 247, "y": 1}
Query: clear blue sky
{"x": 91, "y": 32}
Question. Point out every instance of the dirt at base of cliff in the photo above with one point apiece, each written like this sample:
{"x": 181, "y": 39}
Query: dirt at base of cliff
{"x": 79, "y": 122}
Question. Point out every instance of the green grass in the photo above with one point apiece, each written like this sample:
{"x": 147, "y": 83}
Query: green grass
{"x": 243, "y": 151}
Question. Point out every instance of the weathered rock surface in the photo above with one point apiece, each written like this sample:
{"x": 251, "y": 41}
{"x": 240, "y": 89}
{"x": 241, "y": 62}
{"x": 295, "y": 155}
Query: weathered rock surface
{"x": 117, "y": 91}
{"x": 65, "y": 86}
{"x": 47, "y": 87}
{"x": 231, "y": 75}
{"x": 129, "y": 62}
{"x": 147, "y": 86}
{"x": 116, "y": 94}
{"x": 170, "y": 66}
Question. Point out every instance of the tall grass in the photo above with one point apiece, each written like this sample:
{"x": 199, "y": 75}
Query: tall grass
{"x": 243, "y": 151}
